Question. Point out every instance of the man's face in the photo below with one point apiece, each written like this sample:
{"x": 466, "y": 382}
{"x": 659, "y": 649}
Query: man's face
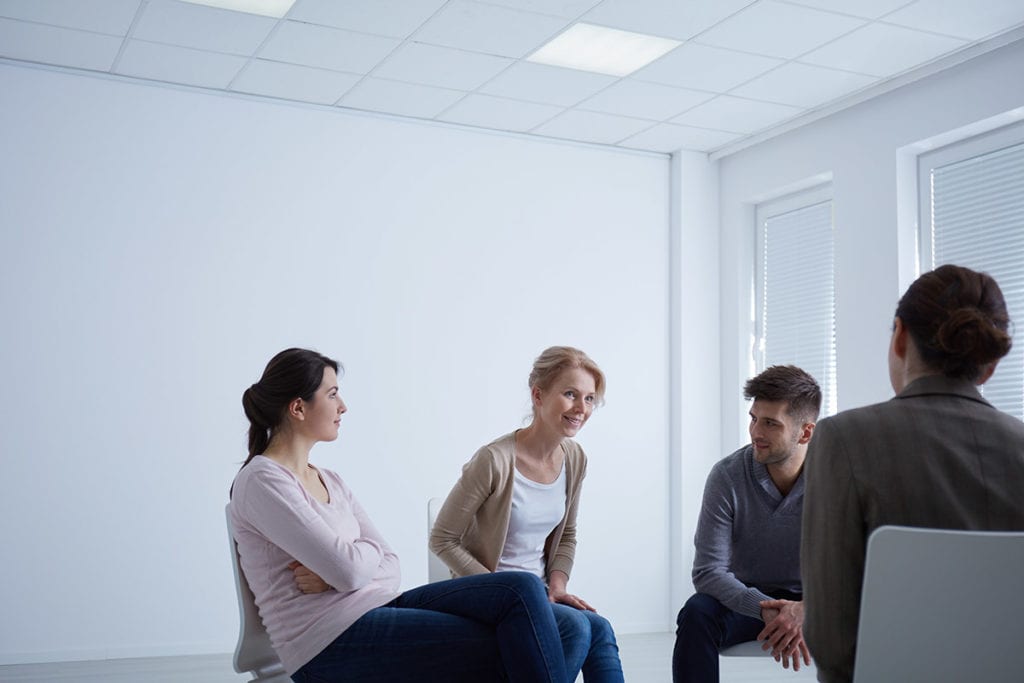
{"x": 773, "y": 433}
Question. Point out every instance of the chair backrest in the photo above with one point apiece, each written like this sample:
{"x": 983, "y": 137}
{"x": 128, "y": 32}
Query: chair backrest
{"x": 436, "y": 569}
{"x": 941, "y": 605}
{"x": 254, "y": 653}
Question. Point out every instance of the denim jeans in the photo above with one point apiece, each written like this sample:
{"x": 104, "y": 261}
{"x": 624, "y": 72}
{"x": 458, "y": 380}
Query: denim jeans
{"x": 704, "y": 627}
{"x": 488, "y": 627}
{"x": 588, "y": 642}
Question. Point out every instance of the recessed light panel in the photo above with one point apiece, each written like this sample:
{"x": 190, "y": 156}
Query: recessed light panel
{"x": 268, "y": 8}
{"x": 602, "y": 50}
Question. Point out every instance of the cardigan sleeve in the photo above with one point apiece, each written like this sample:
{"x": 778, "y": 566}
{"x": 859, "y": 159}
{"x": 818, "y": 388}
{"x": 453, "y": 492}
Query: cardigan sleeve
{"x": 474, "y": 487}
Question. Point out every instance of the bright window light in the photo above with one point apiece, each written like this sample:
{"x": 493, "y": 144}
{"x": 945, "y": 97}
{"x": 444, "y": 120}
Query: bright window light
{"x": 603, "y": 50}
{"x": 268, "y": 8}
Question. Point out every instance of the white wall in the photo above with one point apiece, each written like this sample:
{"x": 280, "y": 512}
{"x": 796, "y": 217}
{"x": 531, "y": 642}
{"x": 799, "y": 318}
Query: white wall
{"x": 859, "y": 148}
{"x": 158, "y": 245}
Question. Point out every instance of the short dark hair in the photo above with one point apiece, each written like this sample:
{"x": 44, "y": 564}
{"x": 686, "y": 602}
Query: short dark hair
{"x": 957, "y": 318}
{"x": 790, "y": 384}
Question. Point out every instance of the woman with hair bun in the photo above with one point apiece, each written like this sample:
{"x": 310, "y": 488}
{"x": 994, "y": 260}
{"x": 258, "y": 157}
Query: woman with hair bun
{"x": 937, "y": 455}
{"x": 514, "y": 507}
{"x": 327, "y": 583}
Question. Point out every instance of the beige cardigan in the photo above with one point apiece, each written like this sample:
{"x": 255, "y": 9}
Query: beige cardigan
{"x": 470, "y": 529}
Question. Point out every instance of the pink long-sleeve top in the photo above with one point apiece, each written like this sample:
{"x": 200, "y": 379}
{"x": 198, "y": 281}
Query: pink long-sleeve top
{"x": 276, "y": 522}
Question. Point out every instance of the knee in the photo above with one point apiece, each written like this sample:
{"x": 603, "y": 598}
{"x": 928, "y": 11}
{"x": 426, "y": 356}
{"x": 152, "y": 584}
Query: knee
{"x": 524, "y": 582}
{"x": 601, "y": 630}
{"x": 572, "y": 623}
{"x": 699, "y": 609}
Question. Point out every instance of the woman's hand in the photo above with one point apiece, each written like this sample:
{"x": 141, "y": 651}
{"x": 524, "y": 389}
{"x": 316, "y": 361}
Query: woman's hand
{"x": 307, "y": 581}
{"x": 557, "y": 592}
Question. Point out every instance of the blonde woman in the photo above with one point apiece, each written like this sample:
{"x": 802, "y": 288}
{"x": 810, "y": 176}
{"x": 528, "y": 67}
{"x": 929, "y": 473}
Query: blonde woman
{"x": 514, "y": 507}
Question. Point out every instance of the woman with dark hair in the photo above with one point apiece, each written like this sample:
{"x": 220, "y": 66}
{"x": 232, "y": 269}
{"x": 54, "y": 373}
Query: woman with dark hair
{"x": 937, "y": 455}
{"x": 514, "y": 507}
{"x": 327, "y": 583}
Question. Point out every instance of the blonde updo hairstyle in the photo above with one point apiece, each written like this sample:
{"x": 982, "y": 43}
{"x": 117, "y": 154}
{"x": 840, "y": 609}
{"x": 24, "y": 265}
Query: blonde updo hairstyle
{"x": 555, "y": 359}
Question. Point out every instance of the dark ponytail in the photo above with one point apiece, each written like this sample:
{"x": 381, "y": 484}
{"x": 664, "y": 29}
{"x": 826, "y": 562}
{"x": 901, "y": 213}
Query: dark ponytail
{"x": 957, "y": 318}
{"x": 291, "y": 374}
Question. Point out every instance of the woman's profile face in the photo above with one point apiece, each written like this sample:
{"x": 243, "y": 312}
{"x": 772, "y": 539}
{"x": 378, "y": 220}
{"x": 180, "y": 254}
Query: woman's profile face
{"x": 323, "y": 413}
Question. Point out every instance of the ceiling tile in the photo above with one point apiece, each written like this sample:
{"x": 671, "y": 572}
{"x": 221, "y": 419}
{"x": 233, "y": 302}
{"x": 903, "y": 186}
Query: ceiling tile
{"x": 668, "y": 18}
{"x": 392, "y": 18}
{"x": 547, "y": 84}
{"x": 54, "y": 45}
{"x": 496, "y": 112}
{"x": 441, "y": 66}
{"x": 570, "y": 9}
{"x": 802, "y": 85}
{"x": 736, "y": 114}
{"x": 589, "y": 126}
{"x": 489, "y": 29}
{"x": 962, "y": 18}
{"x": 869, "y": 9}
{"x": 642, "y": 100}
{"x": 793, "y": 29}
{"x": 406, "y": 99}
{"x": 882, "y": 50}
{"x": 666, "y": 137}
{"x": 293, "y": 82}
{"x": 702, "y": 67}
{"x": 178, "y": 64}
{"x": 204, "y": 28}
{"x": 327, "y": 48}
{"x": 102, "y": 16}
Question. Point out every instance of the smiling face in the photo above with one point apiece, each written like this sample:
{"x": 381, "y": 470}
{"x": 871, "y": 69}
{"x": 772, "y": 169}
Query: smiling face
{"x": 322, "y": 415}
{"x": 774, "y": 435}
{"x": 566, "y": 405}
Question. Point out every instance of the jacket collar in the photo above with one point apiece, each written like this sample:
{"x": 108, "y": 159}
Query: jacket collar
{"x": 931, "y": 385}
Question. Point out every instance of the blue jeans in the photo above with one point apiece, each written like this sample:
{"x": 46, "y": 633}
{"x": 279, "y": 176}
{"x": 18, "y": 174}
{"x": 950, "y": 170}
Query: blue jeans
{"x": 704, "y": 626}
{"x": 488, "y": 627}
{"x": 588, "y": 642}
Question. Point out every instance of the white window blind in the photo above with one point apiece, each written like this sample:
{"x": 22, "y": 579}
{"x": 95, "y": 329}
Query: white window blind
{"x": 795, "y": 317}
{"x": 974, "y": 216}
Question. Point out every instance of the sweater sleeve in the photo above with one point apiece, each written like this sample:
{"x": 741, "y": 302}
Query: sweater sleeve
{"x": 459, "y": 511}
{"x": 712, "y": 572}
{"x": 347, "y": 559}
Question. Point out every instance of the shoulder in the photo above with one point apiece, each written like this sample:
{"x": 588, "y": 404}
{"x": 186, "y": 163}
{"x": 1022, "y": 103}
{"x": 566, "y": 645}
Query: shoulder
{"x": 574, "y": 451}
{"x": 496, "y": 456}
{"x": 732, "y": 465}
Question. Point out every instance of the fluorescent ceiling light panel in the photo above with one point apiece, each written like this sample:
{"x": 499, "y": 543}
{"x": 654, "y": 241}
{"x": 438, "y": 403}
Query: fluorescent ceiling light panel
{"x": 602, "y": 50}
{"x": 268, "y": 8}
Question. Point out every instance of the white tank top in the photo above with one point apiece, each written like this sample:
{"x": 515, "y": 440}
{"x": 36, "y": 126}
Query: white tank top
{"x": 536, "y": 510}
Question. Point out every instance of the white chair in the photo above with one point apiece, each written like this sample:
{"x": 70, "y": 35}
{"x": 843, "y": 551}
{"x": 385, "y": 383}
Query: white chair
{"x": 940, "y": 605}
{"x": 436, "y": 569}
{"x": 253, "y": 654}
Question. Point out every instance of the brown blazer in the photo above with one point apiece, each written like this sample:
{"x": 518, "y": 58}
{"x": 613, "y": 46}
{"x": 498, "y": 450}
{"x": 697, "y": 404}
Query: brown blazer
{"x": 937, "y": 455}
{"x": 470, "y": 529}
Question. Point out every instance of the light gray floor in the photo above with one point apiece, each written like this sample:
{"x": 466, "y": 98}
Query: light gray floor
{"x": 646, "y": 658}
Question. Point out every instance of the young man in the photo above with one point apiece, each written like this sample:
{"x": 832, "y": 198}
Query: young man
{"x": 747, "y": 564}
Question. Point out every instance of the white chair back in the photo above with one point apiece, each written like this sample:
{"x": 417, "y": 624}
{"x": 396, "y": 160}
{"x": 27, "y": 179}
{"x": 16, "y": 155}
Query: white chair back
{"x": 254, "y": 653}
{"x": 436, "y": 569}
{"x": 940, "y": 605}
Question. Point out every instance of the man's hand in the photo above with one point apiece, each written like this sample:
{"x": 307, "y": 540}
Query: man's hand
{"x": 783, "y": 632}
{"x": 307, "y": 581}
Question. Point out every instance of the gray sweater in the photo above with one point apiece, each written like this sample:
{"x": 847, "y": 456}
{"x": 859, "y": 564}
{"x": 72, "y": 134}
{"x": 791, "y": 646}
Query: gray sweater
{"x": 748, "y": 535}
